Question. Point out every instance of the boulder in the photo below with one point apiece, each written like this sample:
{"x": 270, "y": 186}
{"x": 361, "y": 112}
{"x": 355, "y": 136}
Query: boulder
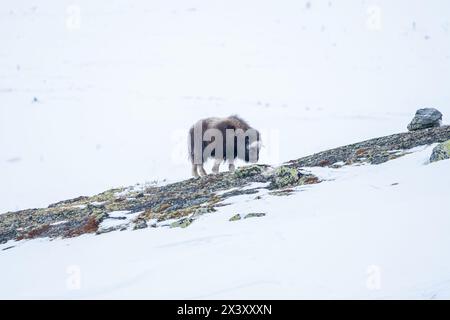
{"x": 254, "y": 215}
{"x": 441, "y": 152}
{"x": 236, "y": 217}
{"x": 425, "y": 118}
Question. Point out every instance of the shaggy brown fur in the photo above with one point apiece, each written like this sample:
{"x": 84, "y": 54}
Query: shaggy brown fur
{"x": 221, "y": 124}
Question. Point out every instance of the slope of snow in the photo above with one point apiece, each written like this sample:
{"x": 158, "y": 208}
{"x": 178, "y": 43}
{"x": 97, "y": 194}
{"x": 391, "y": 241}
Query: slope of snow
{"x": 366, "y": 232}
{"x": 118, "y": 83}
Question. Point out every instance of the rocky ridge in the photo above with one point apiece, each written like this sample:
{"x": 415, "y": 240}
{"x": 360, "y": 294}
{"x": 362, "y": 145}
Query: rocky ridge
{"x": 181, "y": 203}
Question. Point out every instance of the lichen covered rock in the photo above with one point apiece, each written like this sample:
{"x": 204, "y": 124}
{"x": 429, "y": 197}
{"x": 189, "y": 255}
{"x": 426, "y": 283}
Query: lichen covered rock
{"x": 254, "y": 215}
{"x": 184, "y": 201}
{"x": 441, "y": 152}
{"x": 285, "y": 177}
{"x": 249, "y": 171}
{"x": 140, "y": 224}
{"x": 182, "y": 223}
{"x": 236, "y": 217}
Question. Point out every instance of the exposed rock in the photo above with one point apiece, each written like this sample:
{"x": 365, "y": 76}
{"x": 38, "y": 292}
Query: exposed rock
{"x": 425, "y": 118}
{"x": 182, "y": 223}
{"x": 236, "y": 217}
{"x": 240, "y": 192}
{"x": 441, "y": 152}
{"x": 254, "y": 215}
{"x": 140, "y": 224}
{"x": 375, "y": 151}
{"x": 246, "y": 172}
{"x": 77, "y": 200}
{"x": 203, "y": 210}
{"x": 185, "y": 201}
{"x": 283, "y": 192}
{"x": 285, "y": 177}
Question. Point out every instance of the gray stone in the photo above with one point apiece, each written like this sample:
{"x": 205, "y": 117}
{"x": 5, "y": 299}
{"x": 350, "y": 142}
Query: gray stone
{"x": 182, "y": 223}
{"x": 254, "y": 215}
{"x": 425, "y": 118}
{"x": 285, "y": 177}
{"x": 441, "y": 152}
{"x": 236, "y": 217}
{"x": 140, "y": 224}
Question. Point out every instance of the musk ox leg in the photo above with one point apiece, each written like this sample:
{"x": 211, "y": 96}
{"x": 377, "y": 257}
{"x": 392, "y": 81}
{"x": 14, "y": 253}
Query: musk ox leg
{"x": 231, "y": 166}
{"x": 202, "y": 170}
{"x": 216, "y": 166}
{"x": 194, "y": 171}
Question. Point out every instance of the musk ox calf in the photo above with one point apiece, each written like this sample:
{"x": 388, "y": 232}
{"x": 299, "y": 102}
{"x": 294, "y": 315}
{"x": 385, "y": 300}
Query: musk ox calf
{"x": 222, "y": 139}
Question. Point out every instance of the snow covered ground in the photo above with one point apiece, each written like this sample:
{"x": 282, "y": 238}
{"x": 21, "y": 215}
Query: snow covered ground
{"x": 367, "y": 232}
{"x": 100, "y": 94}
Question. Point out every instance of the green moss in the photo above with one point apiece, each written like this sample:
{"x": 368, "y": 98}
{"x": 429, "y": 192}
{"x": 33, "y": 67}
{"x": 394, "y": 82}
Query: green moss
{"x": 161, "y": 207}
{"x": 236, "y": 217}
{"x": 203, "y": 210}
{"x": 109, "y": 195}
{"x": 182, "y": 223}
{"x": 100, "y": 216}
{"x": 284, "y": 177}
{"x": 249, "y": 171}
{"x": 176, "y": 214}
{"x": 116, "y": 206}
{"x": 446, "y": 146}
{"x": 441, "y": 152}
